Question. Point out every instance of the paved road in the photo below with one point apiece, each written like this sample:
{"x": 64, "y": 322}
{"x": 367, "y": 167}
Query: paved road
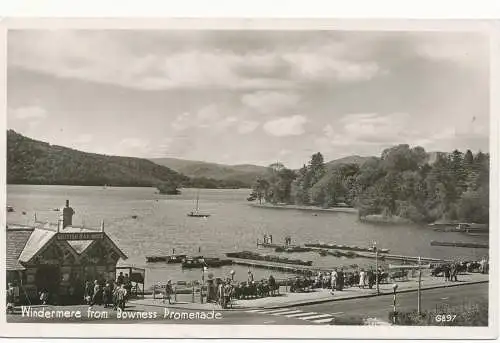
{"x": 319, "y": 314}
{"x": 379, "y": 307}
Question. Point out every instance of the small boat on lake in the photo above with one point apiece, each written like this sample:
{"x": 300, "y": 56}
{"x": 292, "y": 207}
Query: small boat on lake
{"x": 461, "y": 244}
{"x": 196, "y": 212}
{"x": 166, "y": 258}
{"x": 200, "y": 262}
{"x": 10, "y": 209}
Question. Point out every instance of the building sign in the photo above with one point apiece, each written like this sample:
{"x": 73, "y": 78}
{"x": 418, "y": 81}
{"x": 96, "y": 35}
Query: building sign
{"x": 79, "y": 236}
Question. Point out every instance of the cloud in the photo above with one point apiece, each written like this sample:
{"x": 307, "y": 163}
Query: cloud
{"x": 83, "y": 138}
{"x": 466, "y": 50}
{"x": 213, "y": 118}
{"x": 368, "y": 129}
{"x": 107, "y": 57}
{"x": 377, "y": 128}
{"x": 28, "y": 113}
{"x": 247, "y": 126}
{"x": 182, "y": 122}
{"x": 134, "y": 143}
{"x": 286, "y": 126}
{"x": 312, "y": 66}
{"x": 270, "y": 101}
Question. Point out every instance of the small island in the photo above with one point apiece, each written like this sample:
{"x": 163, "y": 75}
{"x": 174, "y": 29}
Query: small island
{"x": 169, "y": 188}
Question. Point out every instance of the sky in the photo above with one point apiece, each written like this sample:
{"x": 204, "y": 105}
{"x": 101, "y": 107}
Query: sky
{"x": 249, "y": 97}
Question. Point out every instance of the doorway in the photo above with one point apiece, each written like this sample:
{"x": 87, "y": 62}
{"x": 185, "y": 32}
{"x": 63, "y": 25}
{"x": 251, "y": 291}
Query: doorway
{"x": 47, "y": 278}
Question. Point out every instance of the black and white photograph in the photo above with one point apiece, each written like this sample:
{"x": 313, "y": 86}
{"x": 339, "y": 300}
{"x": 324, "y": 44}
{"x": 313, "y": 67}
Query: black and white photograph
{"x": 283, "y": 177}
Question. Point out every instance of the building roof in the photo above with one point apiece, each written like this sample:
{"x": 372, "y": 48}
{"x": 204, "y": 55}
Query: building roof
{"x": 24, "y": 242}
{"x": 17, "y": 237}
{"x": 38, "y": 239}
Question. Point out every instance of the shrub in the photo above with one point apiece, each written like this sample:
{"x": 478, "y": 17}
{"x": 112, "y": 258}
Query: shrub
{"x": 465, "y": 315}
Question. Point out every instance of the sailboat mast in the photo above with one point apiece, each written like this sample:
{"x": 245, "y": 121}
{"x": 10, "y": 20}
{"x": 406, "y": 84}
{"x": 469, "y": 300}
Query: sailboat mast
{"x": 197, "y": 199}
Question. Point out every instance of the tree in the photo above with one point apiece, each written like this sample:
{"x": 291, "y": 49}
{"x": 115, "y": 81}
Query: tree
{"x": 168, "y": 187}
{"x": 260, "y": 190}
{"x": 474, "y": 207}
{"x": 276, "y": 187}
{"x": 316, "y": 167}
{"x": 468, "y": 158}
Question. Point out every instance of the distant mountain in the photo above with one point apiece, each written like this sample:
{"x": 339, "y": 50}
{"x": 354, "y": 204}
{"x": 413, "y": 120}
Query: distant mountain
{"x": 34, "y": 162}
{"x": 243, "y": 173}
{"x": 354, "y": 159}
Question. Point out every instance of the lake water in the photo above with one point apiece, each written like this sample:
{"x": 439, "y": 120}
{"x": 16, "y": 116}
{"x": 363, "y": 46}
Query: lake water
{"x": 162, "y": 225}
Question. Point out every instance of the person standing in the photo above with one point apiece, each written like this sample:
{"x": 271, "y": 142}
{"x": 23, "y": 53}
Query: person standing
{"x": 454, "y": 272}
{"x": 333, "y": 279}
{"x": 362, "y": 278}
{"x": 220, "y": 294}
{"x": 97, "y": 297}
{"x": 250, "y": 277}
{"x": 340, "y": 279}
{"x": 168, "y": 292}
{"x": 88, "y": 292}
{"x": 228, "y": 291}
{"x": 10, "y": 299}
{"x": 119, "y": 279}
{"x": 272, "y": 285}
{"x": 121, "y": 297}
{"x": 44, "y": 297}
{"x": 107, "y": 295}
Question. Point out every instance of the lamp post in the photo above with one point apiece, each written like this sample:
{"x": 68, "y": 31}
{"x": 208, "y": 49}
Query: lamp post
{"x": 376, "y": 266}
{"x": 394, "y": 288}
{"x": 202, "y": 283}
{"x": 419, "y": 296}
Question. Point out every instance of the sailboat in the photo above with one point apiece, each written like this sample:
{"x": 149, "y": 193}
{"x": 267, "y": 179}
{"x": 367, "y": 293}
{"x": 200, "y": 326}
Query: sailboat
{"x": 196, "y": 212}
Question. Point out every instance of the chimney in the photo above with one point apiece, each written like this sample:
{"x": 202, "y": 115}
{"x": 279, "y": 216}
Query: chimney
{"x": 67, "y": 215}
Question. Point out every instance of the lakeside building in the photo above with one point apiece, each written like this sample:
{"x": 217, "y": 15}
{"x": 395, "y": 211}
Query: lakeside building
{"x": 59, "y": 257}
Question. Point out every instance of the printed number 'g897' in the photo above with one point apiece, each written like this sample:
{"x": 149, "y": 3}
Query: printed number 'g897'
{"x": 440, "y": 318}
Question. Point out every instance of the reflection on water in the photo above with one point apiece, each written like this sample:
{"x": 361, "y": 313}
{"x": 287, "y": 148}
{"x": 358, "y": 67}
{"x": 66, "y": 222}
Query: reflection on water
{"x": 162, "y": 225}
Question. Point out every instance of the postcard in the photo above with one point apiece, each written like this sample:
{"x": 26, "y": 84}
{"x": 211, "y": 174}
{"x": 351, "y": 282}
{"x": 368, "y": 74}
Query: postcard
{"x": 250, "y": 179}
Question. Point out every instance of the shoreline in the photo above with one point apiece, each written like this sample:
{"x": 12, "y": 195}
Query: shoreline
{"x": 306, "y": 208}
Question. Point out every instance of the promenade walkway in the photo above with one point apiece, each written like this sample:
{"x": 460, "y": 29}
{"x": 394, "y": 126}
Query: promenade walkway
{"x": 287, "y": 299}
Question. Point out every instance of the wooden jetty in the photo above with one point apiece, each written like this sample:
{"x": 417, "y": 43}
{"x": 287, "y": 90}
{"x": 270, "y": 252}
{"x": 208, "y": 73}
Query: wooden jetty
{"x": 382, "y": 257}
{"x": 199, "y": 262}
{"x": 298, "y": 269}
{"x": 343, "y": 247}
{"x": 269, "y": 245}
{"x": 249, "y": 255}
{"x": 460, "y": 227}
{"x": 461, "y": 244}
{"x": 284, "y": 248}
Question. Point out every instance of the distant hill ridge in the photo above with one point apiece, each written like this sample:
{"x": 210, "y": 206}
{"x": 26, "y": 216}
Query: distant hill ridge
{"x": 246, "y": 173}
{"x": 31, "y": 161}
{"x": 34, "y": 162}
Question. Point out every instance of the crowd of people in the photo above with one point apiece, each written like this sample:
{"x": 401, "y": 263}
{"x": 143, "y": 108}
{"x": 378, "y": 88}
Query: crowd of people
{"x": 450, "y": 271}
{"x": 111, "y": 294}
{"x": 339, "y": 279}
